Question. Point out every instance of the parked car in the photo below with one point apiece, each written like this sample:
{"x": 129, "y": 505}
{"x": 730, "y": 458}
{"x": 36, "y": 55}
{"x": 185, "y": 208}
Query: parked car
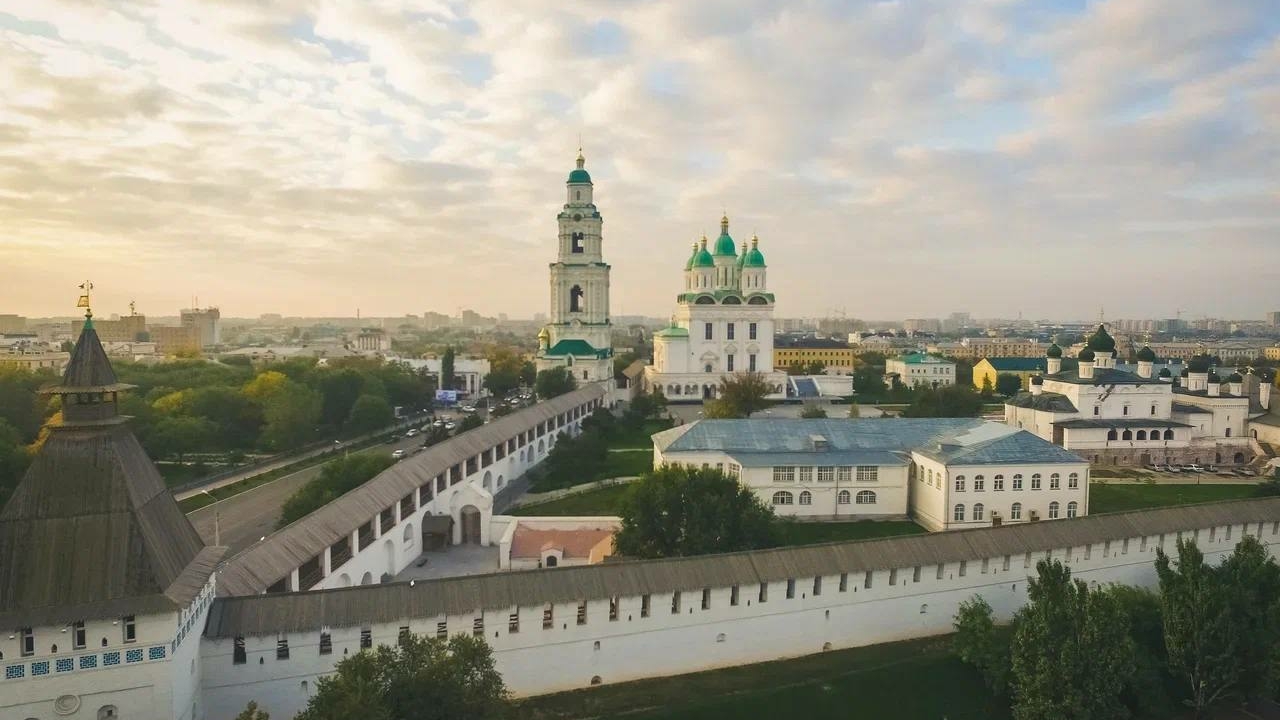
{"x": 1194, "y": 468}
{"x": 438, "y": 423}
{"x": 425, "y": 428}
{"x": 411, "y": 433}
{"x": 467, "y": 408}
{"x": 397, "y": 454}
{"x": 449, "y": 425}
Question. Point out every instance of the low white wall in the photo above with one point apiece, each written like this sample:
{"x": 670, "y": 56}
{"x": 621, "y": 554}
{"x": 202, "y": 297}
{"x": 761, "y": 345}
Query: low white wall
{"x": 569, "y": 655}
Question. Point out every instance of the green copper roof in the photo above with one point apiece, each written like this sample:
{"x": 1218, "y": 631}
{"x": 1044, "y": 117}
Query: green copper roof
{"x": 1100, "y": 341}
{"x": 1054, "y": 351}
{"x": 576, "y": 348}
{"x": 742, "y": 257}
{"x": 692, "y": 258}
{"x": 755, "y": 258}
{"x": 579, "y": 177}
{"x": 1146, "y": 354}
{"x": 674, "y": 331}
{"x": 704, "y": 259}
{"x": 724, "y": 244}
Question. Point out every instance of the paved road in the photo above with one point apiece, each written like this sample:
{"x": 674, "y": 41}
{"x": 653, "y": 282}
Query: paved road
{"x": 243, "y": 519}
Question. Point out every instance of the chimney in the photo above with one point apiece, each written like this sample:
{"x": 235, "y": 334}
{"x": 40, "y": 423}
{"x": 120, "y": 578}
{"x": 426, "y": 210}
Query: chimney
{"x": 1144, "y": 368}
{"x": 1053, "y": 365}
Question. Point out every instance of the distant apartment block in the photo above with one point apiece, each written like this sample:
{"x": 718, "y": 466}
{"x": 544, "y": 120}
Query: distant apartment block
{"x": 205, "y": 323}
{"x": 12, "y": 324}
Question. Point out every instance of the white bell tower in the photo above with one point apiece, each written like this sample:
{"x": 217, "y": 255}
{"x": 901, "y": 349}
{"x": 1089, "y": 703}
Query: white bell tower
{"x": 579, "y": 335}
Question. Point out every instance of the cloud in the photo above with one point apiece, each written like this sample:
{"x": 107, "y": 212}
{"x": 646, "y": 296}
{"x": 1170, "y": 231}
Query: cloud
{"x": 896, "y": 159}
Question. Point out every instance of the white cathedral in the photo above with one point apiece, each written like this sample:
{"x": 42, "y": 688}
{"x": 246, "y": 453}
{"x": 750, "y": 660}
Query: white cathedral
{"x": 723, "y": 323}
{"x": 579, "y": 336}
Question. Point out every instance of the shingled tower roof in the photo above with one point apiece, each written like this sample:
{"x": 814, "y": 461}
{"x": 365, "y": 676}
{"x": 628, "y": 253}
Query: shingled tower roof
{"x": 92, "y": 532}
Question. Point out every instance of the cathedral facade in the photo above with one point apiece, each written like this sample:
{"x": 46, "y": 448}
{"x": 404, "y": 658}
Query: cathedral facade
{"x": 579, "y": 335}
{"x": 723, "y": 323}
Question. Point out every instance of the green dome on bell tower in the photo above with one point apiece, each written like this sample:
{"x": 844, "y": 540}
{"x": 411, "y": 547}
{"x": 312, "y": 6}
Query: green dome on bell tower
{"x": 724, "y": 243}
{"x": 579, "y": 176}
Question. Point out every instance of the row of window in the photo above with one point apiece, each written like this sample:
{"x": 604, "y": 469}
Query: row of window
{"x": 1015, "y": 511}
{"x": 997, "y": 482}
{"x": 825, "y": 473}
{"x": 1142, "y": 435}
{"x": 709, "y": 332}
{"x": 864, "y": 497}
{"x": 57, "y": 666}
{"x": 79, "y": 641}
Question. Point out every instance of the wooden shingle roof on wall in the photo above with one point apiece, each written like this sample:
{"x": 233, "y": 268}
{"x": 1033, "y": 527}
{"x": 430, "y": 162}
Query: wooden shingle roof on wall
{"x": 258, "y": 567}
{"x": 347, "y": 607}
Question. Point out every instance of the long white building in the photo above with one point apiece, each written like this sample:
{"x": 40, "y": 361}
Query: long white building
{"x": 947, "y": 473}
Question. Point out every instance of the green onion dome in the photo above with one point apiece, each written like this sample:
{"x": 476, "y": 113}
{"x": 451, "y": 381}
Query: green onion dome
{"x": 1085, "y": 355}
{"x": 1235, "y": 377}
{"x": 1185, "y": 372}
{"x": 1146, "y": 354}
{"x": 580, "y": 176}
{"x": 724, "y": 243}
{"x": 755, "y": 258}
{"x": 692, "y": 258}
{"x": 1100, "y": 341}
{"x": 1199, "y": 364}
{"x": 742, "y": 257}
{"x": 1054, "y": 351}
{"x": 1164, "y": 373}
{"x": 1037, "y": 380}
{"x": 1214, "y": 377}
{"x": 703, "y": 258}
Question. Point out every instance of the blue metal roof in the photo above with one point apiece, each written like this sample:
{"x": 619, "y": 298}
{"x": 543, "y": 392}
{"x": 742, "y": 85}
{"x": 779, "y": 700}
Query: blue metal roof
{"x": 865, "y": 441}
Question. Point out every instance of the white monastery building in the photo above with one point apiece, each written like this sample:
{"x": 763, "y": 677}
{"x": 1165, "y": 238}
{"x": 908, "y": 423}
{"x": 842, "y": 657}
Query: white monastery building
{"x": 919, "y": 370}
{"x": 1115, "y": 417}
{"x": 579, "y": 336}
{"x": 723, "y": 323}
{"x": 115, "y": 608}
{"x": 947, "y": 473}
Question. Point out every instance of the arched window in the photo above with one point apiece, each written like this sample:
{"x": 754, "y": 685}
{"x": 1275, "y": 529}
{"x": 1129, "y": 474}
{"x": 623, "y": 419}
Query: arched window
{"x": 866, "y": 497}
{"x": 979, "y": 483}
{"x": 959, "y": 483}
{"x": 1053, "y": 510}
{"x": 1017, "y": 481}
{"x": 997, "y": 483}
{"x": 1073, "y": 481}
{"x": 575, "y": 298}
{"x": 1055, "y": 481}
{"x": 1035, "y": 481}
{"x": 1126, "y": 435}
{"x": 1071, "y": 509}
{"x": 1168, "y": 434}
{"x": 929, "y": 475}
{"x": 1111, "y": 434}
{"x": 1015, "y": 512}
{"x": 782, "y": 497}
{"x": 1228, "y": 432}
{"x": 806, "y": 498}
{"x": 1142, "y": 435}
{"x": 842, "y": 498}
{"x": 958, "y": 515}
{"x": 977, "y": 511}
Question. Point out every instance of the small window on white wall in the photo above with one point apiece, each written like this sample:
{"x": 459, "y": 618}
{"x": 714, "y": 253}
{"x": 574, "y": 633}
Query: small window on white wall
{"x": 958, "y": 514}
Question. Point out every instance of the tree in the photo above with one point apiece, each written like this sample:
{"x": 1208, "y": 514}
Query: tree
{"x": 369, "y": 413}
{"x": 177, "y": 436}
{"x": 1251, "y": 581}
{"x": 554, "y": 382}
{"x": 339, "y": 390}
{"x": 13, "y": 460}
{"x": 811, "y": 410}
{"x": 1072, "y": 654}
{"x": 987, "y": 388}
{"x": 470, "y": 422}
{"x": 446, "y": 369}
{"x": 1008, "y": 384}
{"x": 20, "y": 405}
{"x": 675, "y": 512}
{"x": 265, "y": 385}
{"x": 742, "y": 394}
{"x": 291, "y": 415}
{"x": 853, "y": 410}
{"x": 528, "y": 373}
{"x": 336, "y": 478}
{"x": 420, "y": 678}
{"x": 251, "y": 712}
{"x": 645, "y": 406}
{"x": 1147, "y": 693}
{"x": 504, "y": 371}
{"x": 950, "y": 401}
{"x": 981, "y": 644}
{"x": 237, "y": 419}
{"x": 1198, "y": 635}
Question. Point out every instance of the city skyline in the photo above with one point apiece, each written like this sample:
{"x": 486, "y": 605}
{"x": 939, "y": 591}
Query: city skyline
{"x": 308, "y": 158}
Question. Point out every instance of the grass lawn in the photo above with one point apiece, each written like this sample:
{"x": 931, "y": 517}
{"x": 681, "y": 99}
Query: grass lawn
{"x": 625, "y": 463}
{"x": 638, "y": 437}
{"x": 808, "y": 533}
{"x": 1105, "y": 498}
{"x": 600, "y": 501}
{"x": 1115, "y": 472}
{"x": 880, "y": 681}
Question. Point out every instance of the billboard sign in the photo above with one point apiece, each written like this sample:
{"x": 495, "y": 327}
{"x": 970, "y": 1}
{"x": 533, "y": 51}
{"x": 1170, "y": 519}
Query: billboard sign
{"x": 447, "y": 396}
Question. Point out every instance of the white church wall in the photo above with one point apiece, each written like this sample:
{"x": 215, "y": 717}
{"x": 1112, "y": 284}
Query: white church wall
{"x": 895, "y": 604}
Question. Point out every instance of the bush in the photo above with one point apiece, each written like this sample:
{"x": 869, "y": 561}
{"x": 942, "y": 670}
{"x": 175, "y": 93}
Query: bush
{"x": 336, "y": 479}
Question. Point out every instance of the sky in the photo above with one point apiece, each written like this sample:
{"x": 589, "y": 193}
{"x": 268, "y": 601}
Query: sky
{"x": 896, "y": 159}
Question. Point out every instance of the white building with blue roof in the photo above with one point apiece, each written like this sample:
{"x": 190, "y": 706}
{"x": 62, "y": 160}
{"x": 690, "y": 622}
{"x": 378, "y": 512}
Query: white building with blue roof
{"x": 945, "y": 473}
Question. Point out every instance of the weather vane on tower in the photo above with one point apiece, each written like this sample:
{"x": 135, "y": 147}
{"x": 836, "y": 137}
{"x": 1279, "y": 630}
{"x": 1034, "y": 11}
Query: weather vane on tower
{"x": 86, "y": 287}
